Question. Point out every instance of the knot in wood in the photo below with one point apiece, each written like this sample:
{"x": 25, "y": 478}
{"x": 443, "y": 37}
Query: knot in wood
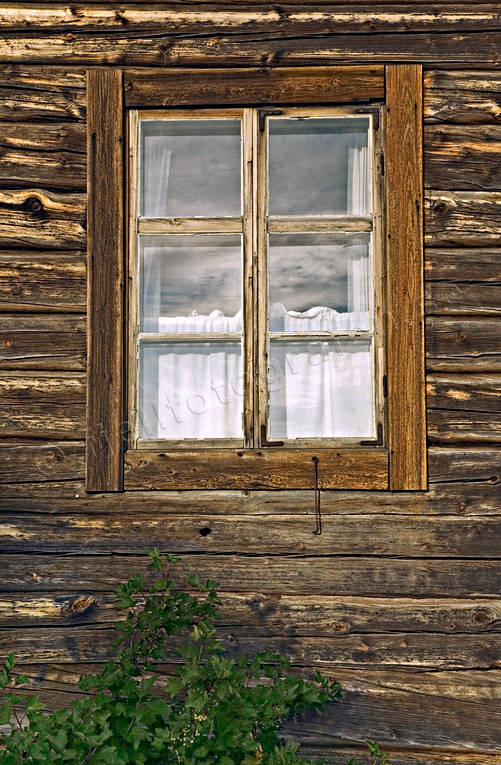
{"x": 78, "y": 605}
{"x": 440, "y": 208}
{"x": 33, "y": 205}
{"x": 484, "y": 616}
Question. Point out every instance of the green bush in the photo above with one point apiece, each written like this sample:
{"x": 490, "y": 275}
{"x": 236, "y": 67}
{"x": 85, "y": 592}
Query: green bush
{"x": 213, "y": 710}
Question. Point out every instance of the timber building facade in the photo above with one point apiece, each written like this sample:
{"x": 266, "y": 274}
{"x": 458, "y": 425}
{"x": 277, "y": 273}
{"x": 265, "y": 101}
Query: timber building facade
{"x": 398, "y": 597}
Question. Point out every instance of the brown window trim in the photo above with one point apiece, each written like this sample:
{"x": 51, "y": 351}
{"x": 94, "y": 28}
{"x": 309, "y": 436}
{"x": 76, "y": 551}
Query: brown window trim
{"x": 399, "y": 466}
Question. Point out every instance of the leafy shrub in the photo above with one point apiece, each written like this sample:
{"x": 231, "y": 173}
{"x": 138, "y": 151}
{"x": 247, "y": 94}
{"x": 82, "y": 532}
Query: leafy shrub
{"x": 212, "y": 710}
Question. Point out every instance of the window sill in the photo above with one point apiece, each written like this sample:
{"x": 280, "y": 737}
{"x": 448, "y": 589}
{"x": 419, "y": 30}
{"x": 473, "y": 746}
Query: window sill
{"x": 361, "y": 468}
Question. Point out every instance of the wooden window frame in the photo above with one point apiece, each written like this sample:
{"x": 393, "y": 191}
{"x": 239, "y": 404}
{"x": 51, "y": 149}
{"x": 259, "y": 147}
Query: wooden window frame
{"x": 400, "y": 464}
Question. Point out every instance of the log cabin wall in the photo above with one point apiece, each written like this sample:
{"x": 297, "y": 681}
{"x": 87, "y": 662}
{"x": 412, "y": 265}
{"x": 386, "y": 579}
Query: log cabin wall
{"x": 400, "y": 596}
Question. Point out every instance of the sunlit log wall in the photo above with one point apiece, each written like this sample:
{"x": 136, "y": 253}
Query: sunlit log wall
{"x": 400, "y": 597}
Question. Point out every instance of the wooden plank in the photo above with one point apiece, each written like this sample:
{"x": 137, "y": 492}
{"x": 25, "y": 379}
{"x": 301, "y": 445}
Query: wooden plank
{"x": 468, "y": 392}
{"x": 463, "y": 345}
{"x": 332, "y": 575}
{"x": 105, "y": 146}
{"x": 423, "y": 651}
{"x": 445, "y": 426}
{"x": 189, "y": 225}
{"x": 327, "y": 84}
{"x": 260, "y": 469}
{"x": 42, "y": 219}
{"x": 453, "y": 299}
{"x": 404, "y": 204}
{"x": 462, "y": 157}
{"x": 462, "y": 265}
{"x": 457, "y": 497}
{"x": 43, "y": 421}
{"x": 43, "y": 155}
{"x": 475, "y": 464}
{"x": 273, "y": 615}
{"x": 188, "y": 19}
{"x": 42, "y": 388}
{"x": 263, "y": 48}
{"x": 405, "y": 535}
{"x": 59, "y": 461}
{"x": 463, "y": 219}
{"x": 462, "y": 97}
{"x": 466, "y": 695}
{"x": 42, "y": 341}
{"x": 42, "y": 281}
{"x": 42, "y": 93}
{"x": 309, "y": 224}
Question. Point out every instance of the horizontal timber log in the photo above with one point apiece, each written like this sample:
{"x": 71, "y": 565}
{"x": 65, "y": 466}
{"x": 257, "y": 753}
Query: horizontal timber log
{"x": 417, "y": 650}
{"x": 27, "y": 462}
{"x": 468, "y": 393}
{"x": 462, "y": 265}
{"x": 51, "y": 93}
{"x": 42, "y": 341}
{"x": 405, "y": 535}
{"x": 462, "y": 157}
{"x": 365, "y": 576}
{"x": 42, "y": 388}
{"x": 451, "y": 298}
{"x": 256, "y": 469}
{"x": 302, "y": 615}
{"x": 40, "y": 281}
{"x": 260, "y": 48}
{"x": 457, "y": 704}
{"x": 43, "y": 155}
{"x": 297, "y": 20}
{"x": 43, "y": 421}
{"x": 476, "y": 498}
{"x": 177, "y": 87}
{"x": 463, "y": 218}
{"x": 42, "y": 219}
{"x": 446, "y": 426}
{"x": 462, "y": 97}
{"x": 463, "y": 344}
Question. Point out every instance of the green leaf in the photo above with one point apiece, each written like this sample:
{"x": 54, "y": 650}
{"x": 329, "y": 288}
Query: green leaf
{"x": 5, "y": 713}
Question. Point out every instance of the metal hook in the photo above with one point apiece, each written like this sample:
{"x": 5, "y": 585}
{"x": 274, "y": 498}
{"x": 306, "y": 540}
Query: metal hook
{"x": 318, "y": 514}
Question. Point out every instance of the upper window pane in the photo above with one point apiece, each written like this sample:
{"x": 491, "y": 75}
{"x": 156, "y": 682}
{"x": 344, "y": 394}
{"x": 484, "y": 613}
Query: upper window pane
{"x": 190, "y": 168}
{"x": 318, "y": 166}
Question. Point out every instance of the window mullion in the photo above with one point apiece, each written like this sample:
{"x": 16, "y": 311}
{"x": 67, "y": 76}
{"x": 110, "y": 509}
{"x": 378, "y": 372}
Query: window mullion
{"x": 249, "y": 123}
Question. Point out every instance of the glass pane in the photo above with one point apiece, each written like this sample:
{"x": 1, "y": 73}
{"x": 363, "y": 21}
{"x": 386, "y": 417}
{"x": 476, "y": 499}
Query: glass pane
{"x": 191, "y": 283}
{"x": 318, "y": 282}
{"x": 190, "y": 168}
{"x": 318, "y": 166}
{"x": 190, "y": 390}
{"x": 321, "y": 389}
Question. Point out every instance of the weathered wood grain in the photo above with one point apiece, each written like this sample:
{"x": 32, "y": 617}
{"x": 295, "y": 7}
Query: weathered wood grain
{"x": 462, "y": 97}
{"x": 409, "y": 649}
{"x": 273, "y": 616}
{"x": 42, "y": 341}
{"x": 405, "y": 294}
{"x": 276, "y": 574}
{"x": 462, "y": 157}
{"x": 448, "y": 425}
{"x": 466, "y": 696}
{"x": 462, "y": 265}
{"x": 438, "y": 536}
{"x": 42, "y": 281}
{"x": 467, "y": 392}
{"x": 463, "y": 218}
{"x": 42, "y": 388}
{"x": 42, "y": 219}
{"x": 456, "y": 299}
{"x": 177, "y": 87}
{"x": 43, "y": 155}
{"x": 261, "y": 469}
{"x": 43, "y": 421}
{"x": 260, "y": 48}
{"x": 463, "y": 345}
{"x": 480, "y": 496}
{"x": 474, "y": 464}
{"x": 105, "y": 280}
{"x": 224, "y": 18}
{"x": 28, "y": 462}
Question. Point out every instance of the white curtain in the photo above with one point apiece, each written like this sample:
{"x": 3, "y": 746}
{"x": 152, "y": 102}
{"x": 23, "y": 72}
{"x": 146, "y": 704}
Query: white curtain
{"x": 320, "y": 389}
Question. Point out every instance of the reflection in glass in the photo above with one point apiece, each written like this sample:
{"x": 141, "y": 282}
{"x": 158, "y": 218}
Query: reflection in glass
{"x": 190, "y": 168}
{"x": 191, "y": 283}
{"x": 321, "y": 389}
{"x": 318, "y": 166}
{"x": 190, "y": 390}
{"x": 318, "y": 282}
